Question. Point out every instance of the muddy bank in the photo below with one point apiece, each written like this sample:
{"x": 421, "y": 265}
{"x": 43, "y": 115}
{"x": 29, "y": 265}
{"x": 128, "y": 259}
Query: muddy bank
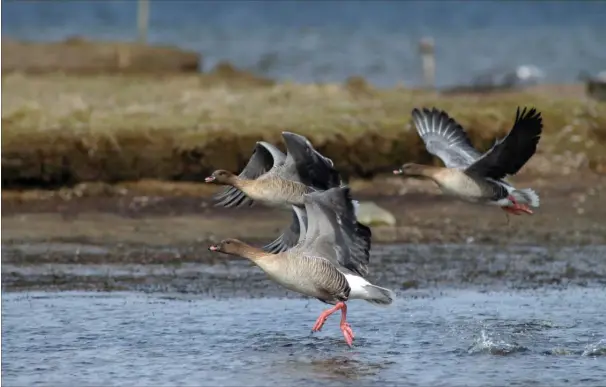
{"x": 153, "y": 236}
{"x": 157, "y": 213}
{"x": 77, "y": 55}
{"x": 63, "y": 130}
{"x": 195, "y": 270}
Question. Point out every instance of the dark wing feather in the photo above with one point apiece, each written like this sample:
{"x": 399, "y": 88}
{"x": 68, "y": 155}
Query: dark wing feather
{"x": 508, "y": 155}
{"x": 311, "y": 168}
{"x": 444, "y": 138}
{"x": 264, "y": 158}
{"x": 291, "y": 235}
{"x": 358, "y": 236}
{"x": 360, "y": 249}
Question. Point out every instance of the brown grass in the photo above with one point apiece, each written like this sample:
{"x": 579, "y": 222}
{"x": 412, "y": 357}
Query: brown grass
{"x": 60, "y": 129}
{"x": 81, "y": 56}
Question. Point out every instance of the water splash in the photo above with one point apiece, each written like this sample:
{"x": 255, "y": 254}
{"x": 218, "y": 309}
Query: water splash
{"x": 596, "y": 349}
{"x": 486, "y": 344}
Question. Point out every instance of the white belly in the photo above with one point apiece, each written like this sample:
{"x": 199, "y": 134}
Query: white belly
{"x": 462, "y": 188}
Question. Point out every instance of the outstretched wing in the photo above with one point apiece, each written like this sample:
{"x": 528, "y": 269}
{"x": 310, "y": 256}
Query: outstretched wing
{"x": 508, "y": 155}
{"x": 334, "y": 232}
{"x": 311, "y": 168}
{"x": 322, "y": 238}
{"x": 291, "y": 236}
{"x": 264, "y": 158}
{"x": 444, "y": 138}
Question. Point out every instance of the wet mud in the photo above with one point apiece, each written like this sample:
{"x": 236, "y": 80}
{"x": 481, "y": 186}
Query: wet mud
{"x": 157, "y": 241}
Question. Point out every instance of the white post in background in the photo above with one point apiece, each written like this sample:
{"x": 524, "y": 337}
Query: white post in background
{"x": 428, "y": 61}
{"x": 142, "y": 20}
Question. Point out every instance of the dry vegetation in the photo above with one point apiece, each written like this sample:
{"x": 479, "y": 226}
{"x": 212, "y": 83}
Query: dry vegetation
{"x": 77, "y": 55}
{"x": 63, "y": 129}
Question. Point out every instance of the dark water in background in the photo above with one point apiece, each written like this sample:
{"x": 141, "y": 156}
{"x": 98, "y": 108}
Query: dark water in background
{"x": 451, "y": 338}
{"x": 331, "y": 40}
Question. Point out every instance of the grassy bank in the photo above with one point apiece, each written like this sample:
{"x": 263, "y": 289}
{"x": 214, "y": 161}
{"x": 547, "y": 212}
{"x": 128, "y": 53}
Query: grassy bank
{"x": 59, "y": 130}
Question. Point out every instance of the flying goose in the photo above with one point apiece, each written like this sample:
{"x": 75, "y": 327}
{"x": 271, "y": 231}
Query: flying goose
{"x": 322, "y": 264}
{"x": 278, "y": 180}
{"x": 470, "y": 175}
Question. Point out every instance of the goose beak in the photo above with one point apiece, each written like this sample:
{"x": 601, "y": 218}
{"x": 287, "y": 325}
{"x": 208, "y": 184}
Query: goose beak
{"x": 397, "y": 171}
{"x": 213, "y": 248}
{"x": 209, "y": 179}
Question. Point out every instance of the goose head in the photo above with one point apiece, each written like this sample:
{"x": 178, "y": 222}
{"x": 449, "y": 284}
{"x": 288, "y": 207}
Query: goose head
{"x": 220, "y": 176}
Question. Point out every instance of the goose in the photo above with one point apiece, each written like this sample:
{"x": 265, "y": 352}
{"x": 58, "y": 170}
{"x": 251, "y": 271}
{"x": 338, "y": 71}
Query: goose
{"x": 278, "y": 180}
{"x": 470, "y": 175}
{"x": 321, "y": 264}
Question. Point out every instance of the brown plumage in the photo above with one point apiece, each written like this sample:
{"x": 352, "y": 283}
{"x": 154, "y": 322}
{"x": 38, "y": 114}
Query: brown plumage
{"x": 302, "y": 273}
{"x": 325, "y": 263}
{"x": 274, "y": 179}
{"x": 470, "y": 175}
{"x": 270, "y": 190}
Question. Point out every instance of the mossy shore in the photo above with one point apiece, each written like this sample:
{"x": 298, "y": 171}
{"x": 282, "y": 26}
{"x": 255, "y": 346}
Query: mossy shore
{"x": 65, "y": 129}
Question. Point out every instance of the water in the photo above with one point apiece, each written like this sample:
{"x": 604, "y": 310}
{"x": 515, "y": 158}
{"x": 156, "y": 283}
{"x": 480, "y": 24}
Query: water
{"x": 466, "y": 315}
{"x": 331, "y": 40}
{"x": 449, "y": 338}
{"x": 194, "y": 270}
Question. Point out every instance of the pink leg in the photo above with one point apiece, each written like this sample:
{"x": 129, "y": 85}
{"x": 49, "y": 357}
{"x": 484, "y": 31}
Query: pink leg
{"x": 345, "y": 327}
{"x": 518, "y": 209}
{"x": 324, "y": 315}
{"x": 511, "y": 210}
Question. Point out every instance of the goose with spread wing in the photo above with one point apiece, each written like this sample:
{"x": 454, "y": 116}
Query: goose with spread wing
{"x": 278, "y": 180}
{"x": 471, "y": 175}
{"x": 322, "y": 264}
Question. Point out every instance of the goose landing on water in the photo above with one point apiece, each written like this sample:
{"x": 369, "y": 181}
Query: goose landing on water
{"x": 323, "y": 264}
{"x": 470, "y": 175}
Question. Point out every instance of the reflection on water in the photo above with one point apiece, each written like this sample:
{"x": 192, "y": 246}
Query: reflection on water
{"x": 449, "y": 337}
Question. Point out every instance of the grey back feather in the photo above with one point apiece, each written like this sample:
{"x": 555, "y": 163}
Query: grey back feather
{"x": 310, "y": 166}
{"x": 334, "y": 232}
{"x": 304, "y": 164}
{"x": 292, "y": 235}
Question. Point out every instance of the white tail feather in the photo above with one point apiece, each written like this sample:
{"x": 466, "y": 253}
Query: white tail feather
{"x": 364, "y": 290}
{"x": 379, "y": 296}
{"x": 527, "y": 196}
{"x": 356, "y": 206}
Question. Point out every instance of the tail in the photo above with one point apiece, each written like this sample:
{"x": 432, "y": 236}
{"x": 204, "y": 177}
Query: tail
{"x": 356, "y": 206}
{"x": 527, "y": 196}
{"x": 379, "y": 296}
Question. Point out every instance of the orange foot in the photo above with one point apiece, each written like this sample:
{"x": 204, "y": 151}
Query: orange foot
{"x": 344, "y": 325}
{"x": 512, "y": 210}
{"x": 347, "y": 332}
{"x": 516, "y": 208}
{"x": 324, "y": 315}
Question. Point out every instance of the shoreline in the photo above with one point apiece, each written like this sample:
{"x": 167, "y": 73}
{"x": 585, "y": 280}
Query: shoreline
{"x": 152, "y": 213}
{"x": 115, "y": 164}
{"x": 62, "y": 130}
{"x": 154, "y": 236}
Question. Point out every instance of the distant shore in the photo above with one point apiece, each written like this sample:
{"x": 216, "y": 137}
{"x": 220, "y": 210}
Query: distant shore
{"x": 62, "y": 130}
